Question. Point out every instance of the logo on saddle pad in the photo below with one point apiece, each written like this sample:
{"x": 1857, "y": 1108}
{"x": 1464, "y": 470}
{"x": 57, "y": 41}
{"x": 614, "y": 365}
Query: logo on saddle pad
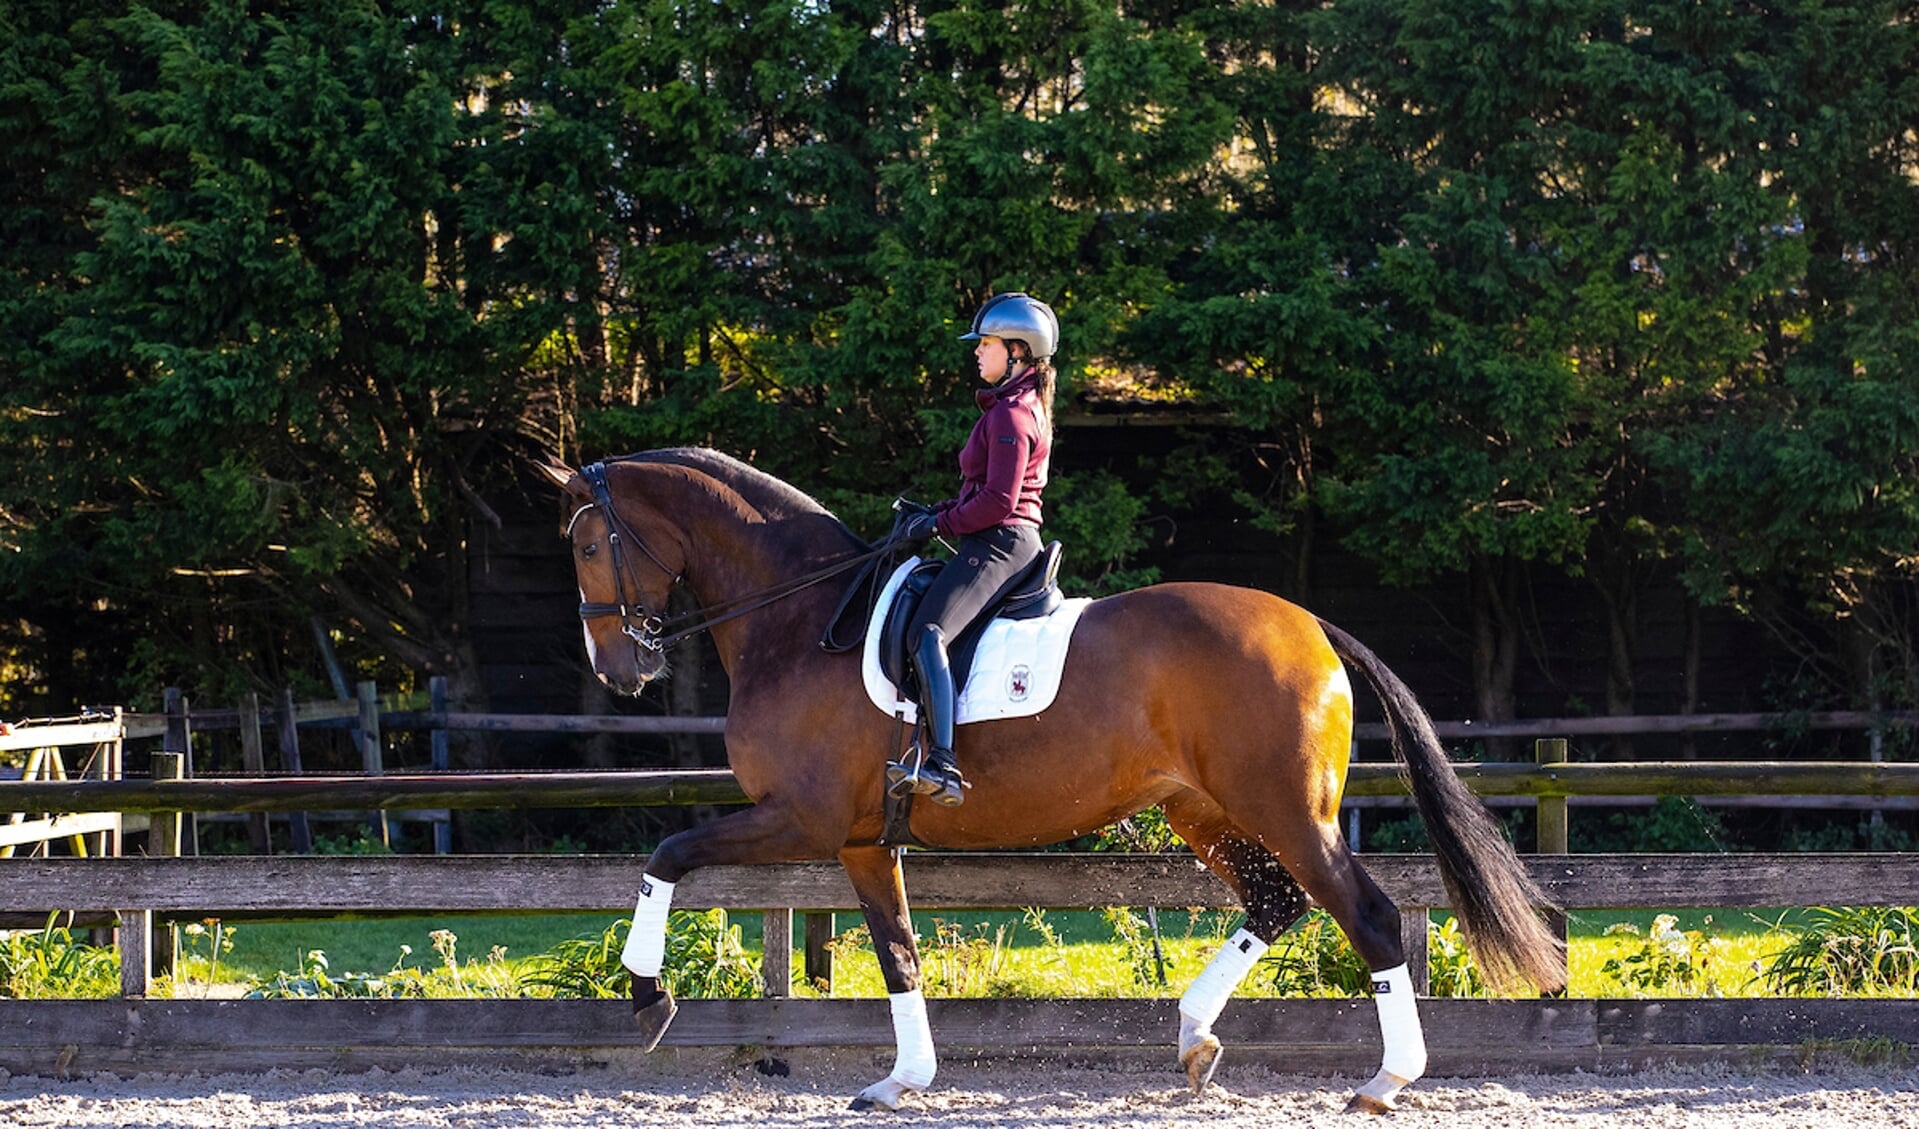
{"x": 1016, "y": 667}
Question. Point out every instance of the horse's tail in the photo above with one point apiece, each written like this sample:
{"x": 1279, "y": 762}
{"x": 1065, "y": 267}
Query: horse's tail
{"x": 1493, "y": 897}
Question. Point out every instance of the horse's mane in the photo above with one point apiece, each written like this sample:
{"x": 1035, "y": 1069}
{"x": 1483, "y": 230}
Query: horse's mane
{"x": 763, "y": 491}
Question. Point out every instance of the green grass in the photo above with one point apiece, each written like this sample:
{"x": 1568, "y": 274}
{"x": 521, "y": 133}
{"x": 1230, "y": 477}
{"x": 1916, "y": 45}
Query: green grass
{"x": 1000, "y": 954}
{"x": 261, "y": 949}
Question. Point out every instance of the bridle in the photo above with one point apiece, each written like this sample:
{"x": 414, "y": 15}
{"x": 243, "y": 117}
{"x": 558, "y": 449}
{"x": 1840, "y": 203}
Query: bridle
{"x": 639, "y": 625}
{"x": 655, "y": 633}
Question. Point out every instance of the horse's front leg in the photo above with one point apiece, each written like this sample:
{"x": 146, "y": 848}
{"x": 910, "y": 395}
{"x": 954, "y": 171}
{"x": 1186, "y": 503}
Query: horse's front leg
{"x": 875, "y": 873}
{"x": 764, "y": 833}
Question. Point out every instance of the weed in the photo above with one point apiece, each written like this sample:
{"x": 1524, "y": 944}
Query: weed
{"x": 1313, "y": 959}
{"x": 216, "y": 938}
{"x": 315, "y": 980}
{"x": 1871, "y": 950}
{"x": 966, "y": 964}
{"x": 583, "y": 968}
{"x": 49, "y": 964}
{"x": 1142, "y": 831}
{"x": 1137, "y": 947}
{"x": 1449, "y": 966}
{"x": 1668, "y": 959}
{"x": 705, "y": 959}
{"x": 1035, "y": 919}
{"x": 858, "y": 939}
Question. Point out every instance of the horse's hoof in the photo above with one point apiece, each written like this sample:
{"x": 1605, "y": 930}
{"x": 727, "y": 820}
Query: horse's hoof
{"x": 1366, "y": 1103}
{"x": 654, "y": 1017}
{"x": 1201, "y": 1060}
{"x": 886, "y": 1094}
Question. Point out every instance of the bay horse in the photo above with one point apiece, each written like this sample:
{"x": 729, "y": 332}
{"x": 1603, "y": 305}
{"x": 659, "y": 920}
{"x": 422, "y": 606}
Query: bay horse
{"x": 1228, "y": 707}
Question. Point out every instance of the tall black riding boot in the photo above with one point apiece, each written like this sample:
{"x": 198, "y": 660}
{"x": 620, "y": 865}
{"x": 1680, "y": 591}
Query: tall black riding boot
{"x": 932, "y": 771}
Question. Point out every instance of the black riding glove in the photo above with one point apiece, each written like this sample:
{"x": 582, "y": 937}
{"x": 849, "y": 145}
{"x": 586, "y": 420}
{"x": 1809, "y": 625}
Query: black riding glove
{"x": 919, "y": 526}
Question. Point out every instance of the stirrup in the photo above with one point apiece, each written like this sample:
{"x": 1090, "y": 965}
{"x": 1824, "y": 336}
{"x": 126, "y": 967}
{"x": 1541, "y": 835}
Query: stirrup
{"x": 917, "y": 774}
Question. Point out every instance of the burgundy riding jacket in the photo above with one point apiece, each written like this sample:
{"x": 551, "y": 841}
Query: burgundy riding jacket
{"x": 1003, "y": 465}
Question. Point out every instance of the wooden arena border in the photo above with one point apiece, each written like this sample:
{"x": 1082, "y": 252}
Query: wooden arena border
{"x": 1312, "y": 1036}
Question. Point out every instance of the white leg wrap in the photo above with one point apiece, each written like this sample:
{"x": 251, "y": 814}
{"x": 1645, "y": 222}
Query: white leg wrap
{"x": 915, "y": 1065}
{"x": 645, "y": 949}
{"x": 1210, "y": 990}
{"x": 1405, "y": 1055}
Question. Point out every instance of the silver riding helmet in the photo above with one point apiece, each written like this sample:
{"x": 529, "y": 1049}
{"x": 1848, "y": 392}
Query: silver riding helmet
{"x": 1014, "y": 316}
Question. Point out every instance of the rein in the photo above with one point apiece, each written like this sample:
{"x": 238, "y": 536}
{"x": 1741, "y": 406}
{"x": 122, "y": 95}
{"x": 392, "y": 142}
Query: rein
{"x": 655, "y": 633}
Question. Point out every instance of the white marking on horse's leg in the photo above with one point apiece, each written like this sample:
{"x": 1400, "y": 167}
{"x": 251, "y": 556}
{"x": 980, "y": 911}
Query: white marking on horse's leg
{"x": 1206, "y": 998}
{"x": 645, "y": 949}
{"x": 1404, "y": 1059}
{"x": 914, "y": 1065}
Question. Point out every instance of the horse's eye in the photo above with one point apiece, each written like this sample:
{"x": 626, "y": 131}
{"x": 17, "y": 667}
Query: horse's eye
{"x": 590, "y": 550}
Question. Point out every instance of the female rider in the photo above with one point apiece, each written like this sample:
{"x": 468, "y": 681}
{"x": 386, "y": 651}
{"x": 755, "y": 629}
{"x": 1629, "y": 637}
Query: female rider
{"x": 996, "y": 518}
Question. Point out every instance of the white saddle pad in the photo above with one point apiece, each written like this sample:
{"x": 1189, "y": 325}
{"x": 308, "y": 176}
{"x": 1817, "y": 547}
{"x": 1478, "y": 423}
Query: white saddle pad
{"x": 1016, "y": 668}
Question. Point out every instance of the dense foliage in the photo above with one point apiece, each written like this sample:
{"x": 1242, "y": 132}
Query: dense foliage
{"x": 291, "y": 290}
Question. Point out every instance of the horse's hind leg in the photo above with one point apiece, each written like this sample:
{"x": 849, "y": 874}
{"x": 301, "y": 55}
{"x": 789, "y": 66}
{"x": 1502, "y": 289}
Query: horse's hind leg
{"x": 1319, "y": 858}
{"x": 1268, "y": 875}
{"x": 1272, "y": 900}
{"x": 875, "y": 873}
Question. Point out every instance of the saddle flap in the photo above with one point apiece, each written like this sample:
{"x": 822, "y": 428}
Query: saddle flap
{"x": 899, "y": 616}
{"x": 1033, "y": 594}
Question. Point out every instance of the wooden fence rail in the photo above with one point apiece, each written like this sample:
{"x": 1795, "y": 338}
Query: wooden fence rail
{"x": 85, "y": 830}
{"x": 136, "y": 1033}
{"x": 1300, "y": 1035}
{"x": 716, "y": 786}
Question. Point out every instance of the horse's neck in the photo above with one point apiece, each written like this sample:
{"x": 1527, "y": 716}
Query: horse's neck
{"x": 736, "y": 548}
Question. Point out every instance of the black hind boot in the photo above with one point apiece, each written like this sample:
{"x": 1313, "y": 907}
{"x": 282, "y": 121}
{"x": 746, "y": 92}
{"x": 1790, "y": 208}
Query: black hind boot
{"x": 932, "y": 771}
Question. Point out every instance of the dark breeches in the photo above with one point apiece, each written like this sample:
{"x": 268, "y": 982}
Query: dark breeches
{"x": 981, "y": 571}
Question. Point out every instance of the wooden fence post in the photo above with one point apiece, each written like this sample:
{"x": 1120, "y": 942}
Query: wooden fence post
{"x": 436, "y": 702}
{"x": 113, "y": 767}
{"x": 776, "y": 952}
{"x": 372, "y": 758}
{"x": 253, "y": 762}
{"x": 1415, "y": 924}
{"x": 1553, "y": 832}
{"x": 163, "y": 841}
{"x": 179, "y": 739}
{"x": 299, "y": 831}
{"x": 819, "y": 953}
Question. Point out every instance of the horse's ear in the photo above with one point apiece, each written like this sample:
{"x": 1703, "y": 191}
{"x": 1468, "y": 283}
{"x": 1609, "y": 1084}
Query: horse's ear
{"x": 565, "y": 477}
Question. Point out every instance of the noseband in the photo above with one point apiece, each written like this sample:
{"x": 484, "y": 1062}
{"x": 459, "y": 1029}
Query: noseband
{"x": 644, "y": 628}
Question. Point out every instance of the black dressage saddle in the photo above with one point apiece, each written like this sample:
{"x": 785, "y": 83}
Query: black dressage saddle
{"x": 1033, "y": 595}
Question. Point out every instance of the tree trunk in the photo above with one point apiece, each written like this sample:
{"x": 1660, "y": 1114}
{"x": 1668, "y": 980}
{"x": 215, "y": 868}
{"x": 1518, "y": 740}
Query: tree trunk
{"x": 1689, "y": 748}
{"x": 1618, "y": 585}
{"x": 1495, "y": 587}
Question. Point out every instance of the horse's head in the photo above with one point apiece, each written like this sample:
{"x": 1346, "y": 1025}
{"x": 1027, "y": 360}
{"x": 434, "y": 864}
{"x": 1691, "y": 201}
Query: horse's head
{"x": 624, "y": 578}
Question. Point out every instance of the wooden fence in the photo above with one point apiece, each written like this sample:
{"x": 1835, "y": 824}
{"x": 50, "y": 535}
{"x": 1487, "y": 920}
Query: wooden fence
{"x": 1467, "y": 1036}
{"x": 49, "y": 750}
